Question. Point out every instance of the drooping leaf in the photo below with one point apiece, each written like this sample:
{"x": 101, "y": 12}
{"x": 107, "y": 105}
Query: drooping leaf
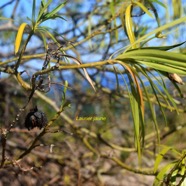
{"x": 148, "y": 97}
{"x": 157, "y": 59}
{"x": 137, "y": 107}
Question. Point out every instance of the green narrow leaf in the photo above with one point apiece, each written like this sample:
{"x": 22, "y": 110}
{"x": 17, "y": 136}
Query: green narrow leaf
{"x": 164, "y": 48}
{"x": 143, "y": 8}
{"x": 153, "y": 113}
{"x": 136, "y": 128}
{"x": 156, "y": 90}
{"x": 44, "y": 40}
{"x": 33, "y": 11}
{"x": 157, "y": 59}
{"x": 129, "y": 25}
{"x": 157, "y": 30}
{"x": 57, "y": 16}
{"x": 169, "y": 97}
{"x": 51, "y": 36}
{"x": 90, "y": 31}
{"x": 155, "y": 53}
{"x": 135, "y": 116}
{"x": 163, "y": 67}
{"x": 136, "y": 102}
{"x": 43, "y": 8}
{"x": 122, "y": 14}
{"x": 160, "y": 157}
{"x": 161, "y": 175}
{"x": 183, "y": 170}
{"x": 176, "y": 6}
{"x": 112, "y": 9}
{"x": 55, "y": 10}
{"x": 19, "y": 37}
{"x": 155, "y": 12}
{"x": 66, "y": 86}
{"x": 160, "y": 3}
{"x": 117, "y": 80}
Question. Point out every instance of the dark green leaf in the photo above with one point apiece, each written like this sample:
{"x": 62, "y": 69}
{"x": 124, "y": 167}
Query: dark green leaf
{"x": 55, "y": 10}
{"x": 33, "y": 11}
{"x": 164, "y": 48}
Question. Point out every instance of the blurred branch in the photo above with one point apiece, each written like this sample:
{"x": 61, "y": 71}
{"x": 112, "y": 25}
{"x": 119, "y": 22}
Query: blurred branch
{"x": 8, "y": 3}
{"x": 143, "y": 171}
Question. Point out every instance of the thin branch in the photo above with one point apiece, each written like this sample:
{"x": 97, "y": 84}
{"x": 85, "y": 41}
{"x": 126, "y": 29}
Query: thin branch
{"x": 6, "y": 4}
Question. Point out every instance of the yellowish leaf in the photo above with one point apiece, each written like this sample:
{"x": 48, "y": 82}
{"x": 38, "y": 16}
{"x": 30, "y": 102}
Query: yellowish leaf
{"x": 143, "y": 8}
{"x": 129, "y": 25}
{"x": 19, "y": 37}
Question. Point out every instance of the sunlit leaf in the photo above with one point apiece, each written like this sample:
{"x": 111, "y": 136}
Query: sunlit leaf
{"x": 161, "y": 175}
{"x": 57, "y": 16}
{"x": 164, "y": 48}
{"x": 19, "y": 37}
{"x": 129, "y": 25}
{"x": 143, "y": 8}
{"x": 157, "y": 59}
{"x": 43, "y": 9}
{"x": 155, "y": 12}
{"x": 160, "y": 156}
{"x": 176, "y": 6}
{"x": 159, "y": 29}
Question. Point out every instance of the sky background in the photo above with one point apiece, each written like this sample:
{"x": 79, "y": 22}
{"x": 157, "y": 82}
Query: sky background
{"x": 24, "y": 10}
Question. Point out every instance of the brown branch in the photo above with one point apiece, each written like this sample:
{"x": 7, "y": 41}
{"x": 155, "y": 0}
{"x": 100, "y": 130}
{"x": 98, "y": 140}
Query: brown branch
{"x": 3, "y": 138}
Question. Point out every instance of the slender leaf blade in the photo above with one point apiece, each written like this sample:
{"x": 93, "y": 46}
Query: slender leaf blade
{"x": 143, "y": 8}
{"x": 55, "y": 10}
{"x": 129, "y": 25}
{"x": 33, "y": 11}
{"x": 19, "y": 37}
{"x": 159, "y": 158}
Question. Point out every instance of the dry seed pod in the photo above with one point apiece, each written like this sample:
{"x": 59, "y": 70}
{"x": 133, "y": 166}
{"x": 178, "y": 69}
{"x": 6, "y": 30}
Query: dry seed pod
{"x": 35, "y": 118}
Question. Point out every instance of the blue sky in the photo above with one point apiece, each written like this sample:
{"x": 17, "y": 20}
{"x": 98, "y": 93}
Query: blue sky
{"x": 26, "y": 7}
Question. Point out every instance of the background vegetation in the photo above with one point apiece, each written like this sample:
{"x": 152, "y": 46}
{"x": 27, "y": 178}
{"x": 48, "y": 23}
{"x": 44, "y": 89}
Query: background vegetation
{"x": 109, "y": 77}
